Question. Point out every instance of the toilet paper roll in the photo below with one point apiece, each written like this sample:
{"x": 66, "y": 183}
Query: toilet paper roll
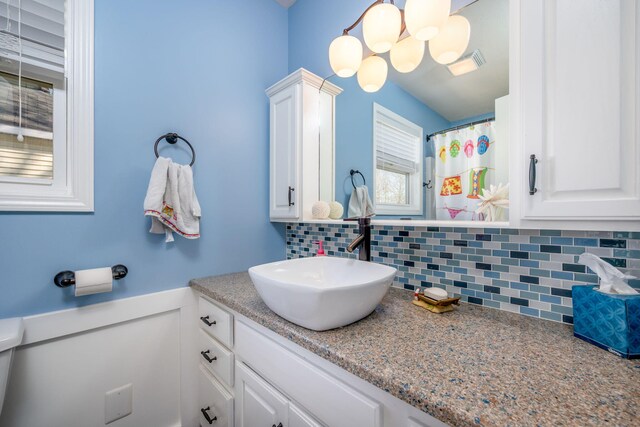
{"x": 94, "y": 281}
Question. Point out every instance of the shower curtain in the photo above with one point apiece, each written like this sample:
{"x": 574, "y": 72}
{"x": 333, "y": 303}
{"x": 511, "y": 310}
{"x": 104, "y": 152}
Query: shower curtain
{"x": 464, "y": 166}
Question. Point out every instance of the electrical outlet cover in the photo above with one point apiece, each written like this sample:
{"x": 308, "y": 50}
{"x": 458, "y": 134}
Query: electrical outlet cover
{"x": 118, "y": 403}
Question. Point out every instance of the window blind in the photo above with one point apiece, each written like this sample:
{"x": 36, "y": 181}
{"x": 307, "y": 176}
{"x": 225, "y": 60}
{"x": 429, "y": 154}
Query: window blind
{"x": 42, "y": 32}
{"x": 31, "y": 158}
{"x": 396, "y": 150}
{"x": 40, "y": 26}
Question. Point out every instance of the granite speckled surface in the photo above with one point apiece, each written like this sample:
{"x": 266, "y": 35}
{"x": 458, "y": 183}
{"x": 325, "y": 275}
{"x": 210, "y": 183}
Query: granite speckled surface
{"x": 475, "y": 366}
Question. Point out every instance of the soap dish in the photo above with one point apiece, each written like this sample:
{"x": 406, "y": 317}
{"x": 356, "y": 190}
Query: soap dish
{"x": 435, "y": 306}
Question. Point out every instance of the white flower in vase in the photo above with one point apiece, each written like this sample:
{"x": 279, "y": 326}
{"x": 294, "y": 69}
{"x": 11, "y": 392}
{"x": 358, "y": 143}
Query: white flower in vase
{"x": 494, "y": 201}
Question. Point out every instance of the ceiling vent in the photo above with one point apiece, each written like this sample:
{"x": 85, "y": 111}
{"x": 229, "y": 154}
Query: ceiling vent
{"x": 467, "y": 63}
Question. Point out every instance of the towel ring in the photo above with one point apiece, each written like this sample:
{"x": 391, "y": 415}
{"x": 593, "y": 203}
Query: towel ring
{"x": 172, "y": 138}
{"x": 353, "y": 172}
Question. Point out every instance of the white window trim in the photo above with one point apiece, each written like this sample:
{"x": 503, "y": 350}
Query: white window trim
{"x": 416, "y": 205}
{"x": 72, "y": 189}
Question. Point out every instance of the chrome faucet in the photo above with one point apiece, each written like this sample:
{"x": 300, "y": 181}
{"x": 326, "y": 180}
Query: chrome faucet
{"x": 363, "y": 241}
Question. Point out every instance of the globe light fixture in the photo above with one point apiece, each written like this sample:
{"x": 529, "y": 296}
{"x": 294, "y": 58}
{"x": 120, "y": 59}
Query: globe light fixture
{"x": 345, "y": 55}
{"x": 451, "y": 41}
{"x": 383, "y": 24}
{"x": 425, "y": 18}
{"x": 407, "y": 54}
{"x": 372, "y": 74}
{"x": 381, "y": 27}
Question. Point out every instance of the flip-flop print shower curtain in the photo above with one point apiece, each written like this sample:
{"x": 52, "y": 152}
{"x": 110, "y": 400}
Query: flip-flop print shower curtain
{"x": 464, "y": 166}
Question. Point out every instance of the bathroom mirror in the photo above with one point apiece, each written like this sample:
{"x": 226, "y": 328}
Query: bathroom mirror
{"x": 430, "y": 144}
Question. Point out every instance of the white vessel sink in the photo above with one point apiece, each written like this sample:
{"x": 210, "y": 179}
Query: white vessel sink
{"x": 322, "y": 293}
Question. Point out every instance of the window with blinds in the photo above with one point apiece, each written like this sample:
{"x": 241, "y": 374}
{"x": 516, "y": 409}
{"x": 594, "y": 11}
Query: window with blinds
{"x": 31, "y": 70}
{"x": 398, "y": 164}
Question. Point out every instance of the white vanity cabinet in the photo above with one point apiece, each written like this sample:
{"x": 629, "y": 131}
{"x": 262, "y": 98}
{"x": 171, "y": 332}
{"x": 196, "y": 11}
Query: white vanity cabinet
{"x": 298, "y": 106}
{"x": 259, "y": 404}
{"x": 216, "y": 370}
{"x": 579, "y": 110}
{"x": 257, "y": 378}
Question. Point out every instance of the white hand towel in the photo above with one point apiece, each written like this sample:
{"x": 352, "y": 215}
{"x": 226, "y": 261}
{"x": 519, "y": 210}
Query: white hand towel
{"x": 171, "y": 201}
{"x": 360, "y": 204}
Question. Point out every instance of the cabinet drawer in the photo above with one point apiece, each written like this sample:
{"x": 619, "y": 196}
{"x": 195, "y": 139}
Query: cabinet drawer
{"x": 216, "y": 321}
{"x": 216, "y": 358}
{"x": 340, "y": 405}
{"x": 215, "y": 401}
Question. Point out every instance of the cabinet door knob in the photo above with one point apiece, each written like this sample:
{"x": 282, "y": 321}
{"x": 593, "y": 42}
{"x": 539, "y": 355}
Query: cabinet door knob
{"x": 291, "y": 190}
{"x": 279, "y": 425}
{"x": 205, "y": 413}
{"x": 205, "y": 354}
{"x": 206, "y": 321}
{"x": 532, "y": 174}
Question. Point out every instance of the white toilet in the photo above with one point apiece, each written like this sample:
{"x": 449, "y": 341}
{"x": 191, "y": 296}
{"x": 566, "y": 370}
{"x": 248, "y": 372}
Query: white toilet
{"x": 11, "y": 331}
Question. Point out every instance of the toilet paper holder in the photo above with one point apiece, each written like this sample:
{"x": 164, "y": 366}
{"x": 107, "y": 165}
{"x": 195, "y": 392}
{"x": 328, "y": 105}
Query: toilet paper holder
{"x": 67, "y": 278}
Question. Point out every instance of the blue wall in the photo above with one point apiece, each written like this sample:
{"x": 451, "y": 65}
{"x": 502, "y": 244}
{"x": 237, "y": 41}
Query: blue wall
{"x": 199, "y": 68}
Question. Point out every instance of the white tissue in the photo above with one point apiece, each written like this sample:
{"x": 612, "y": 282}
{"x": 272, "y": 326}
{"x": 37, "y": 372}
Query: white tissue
{"x": 93, "y": 281}
{"x": 612, "y": 280}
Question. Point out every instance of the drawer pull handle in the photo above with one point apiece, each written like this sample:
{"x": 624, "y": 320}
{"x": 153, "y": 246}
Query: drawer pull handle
{"x": 291, "y": 190}
{"x": 279, "y": 425}
{"x": 205, "y": 354}
{"x": 532, "y": 174}
{"x": 206, "y": 321}
{"x": 205, "y": 413}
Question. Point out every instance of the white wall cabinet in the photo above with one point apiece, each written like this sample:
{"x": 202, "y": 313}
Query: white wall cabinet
{"x": 284, "y": 165}
{"x": 299, "y": 105}
{"x": 579, "y": 83}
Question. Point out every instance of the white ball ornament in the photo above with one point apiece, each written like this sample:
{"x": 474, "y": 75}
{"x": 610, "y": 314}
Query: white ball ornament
{"x": 336, "y": 210}
{"x": 320, "y": 210}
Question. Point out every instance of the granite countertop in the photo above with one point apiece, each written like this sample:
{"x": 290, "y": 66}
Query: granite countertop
{"x": 474, "y": 366}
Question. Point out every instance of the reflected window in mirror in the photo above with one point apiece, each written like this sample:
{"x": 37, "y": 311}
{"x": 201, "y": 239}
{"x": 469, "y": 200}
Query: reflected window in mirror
{"x": 397, "y": 144}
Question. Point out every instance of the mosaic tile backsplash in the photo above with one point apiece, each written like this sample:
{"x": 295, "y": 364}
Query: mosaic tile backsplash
{"x": 530, "y": 272}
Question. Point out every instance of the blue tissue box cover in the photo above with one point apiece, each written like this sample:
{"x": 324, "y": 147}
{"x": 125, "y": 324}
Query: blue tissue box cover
{"x": 611, "y": 322}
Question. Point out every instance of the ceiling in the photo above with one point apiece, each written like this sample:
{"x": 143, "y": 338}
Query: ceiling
{"x": 286, "y": 3}
{"x": 457, "y": 98}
